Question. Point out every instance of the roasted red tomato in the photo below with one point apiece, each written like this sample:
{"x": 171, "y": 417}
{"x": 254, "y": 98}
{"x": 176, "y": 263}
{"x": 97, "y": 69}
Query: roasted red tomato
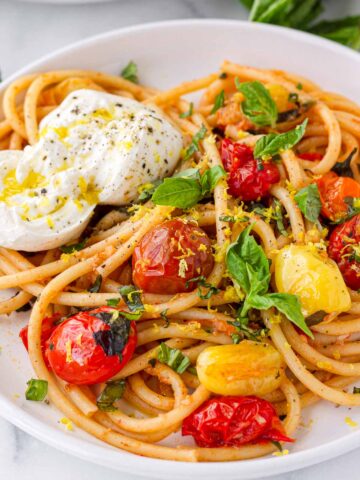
{"x": 333, "y": 191}
{"x": 246, "y": 180}
{"x": 91, "y": 347}
{"x": 48, "y": 325}
{"x": 169, "y": 255}
{"x": 312, "y": 156}
{"x": 344, "y": 249}
{"x": 234, "y": 421}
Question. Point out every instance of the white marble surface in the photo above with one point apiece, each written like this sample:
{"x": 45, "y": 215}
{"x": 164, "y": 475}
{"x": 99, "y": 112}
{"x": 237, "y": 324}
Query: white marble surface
{"x": 29, "y": 30}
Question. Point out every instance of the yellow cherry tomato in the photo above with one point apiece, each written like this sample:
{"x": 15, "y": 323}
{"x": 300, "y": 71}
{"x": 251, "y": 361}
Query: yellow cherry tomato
{"x": 315, "y": 278}
{"x": 249, "y": 368}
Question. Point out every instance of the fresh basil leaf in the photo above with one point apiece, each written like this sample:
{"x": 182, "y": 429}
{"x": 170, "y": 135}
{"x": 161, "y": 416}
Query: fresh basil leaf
{"x": 74, "y": 247}
{"x": 130, "y": 72}
{"x": 146, "y": 193}
{"x": 178, "y": 192}
{"x": 188, "y": 173}
{"x": 286, "y": 303}
{"x": 189, "y": 112}
{"x": 219, "y": 102}
{"x": 245, "y": 331}
{"x": 272, "y": 144}
{"x": 132, "y": 298}
{"x": 345, "y": 30}
{"x": 279, "y": 218}
{"x": 96, "y": 286}
{"x": 308, "y": 200}
{"x": 270, "y": 11}
{"x": 194, "y": 146}
{"x": 173, "y": 358}
{"x": 112, "y": 302}
{"x": 303, "y": 13}
{"x": 36, "y": 390}
{"x": 247, "y": 264}
{"x": 114, "y": 340}
{"x": 111, "y": 393}
{"x": 258, "y": 106}
{"x": 343, "y": 168}
{"x": 210, "y": 179}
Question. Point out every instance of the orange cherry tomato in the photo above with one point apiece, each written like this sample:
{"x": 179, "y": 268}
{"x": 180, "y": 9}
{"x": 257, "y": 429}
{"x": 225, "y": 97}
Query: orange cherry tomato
{"x": 333, "y": 191}
{"x": 169, "y": 255}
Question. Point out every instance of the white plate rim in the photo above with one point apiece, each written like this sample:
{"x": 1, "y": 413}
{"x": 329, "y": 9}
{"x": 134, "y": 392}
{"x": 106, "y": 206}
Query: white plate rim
{"x": 154, "y": 468}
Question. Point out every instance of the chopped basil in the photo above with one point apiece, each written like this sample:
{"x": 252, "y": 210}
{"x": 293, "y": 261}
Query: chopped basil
{"x": 186, "y": 191}
{"x": 36, "y": 390}
{"x": 315, "y": 318}
{"x": 111, "y": 393}
{"x": 293, "y": 97}
{"x": 308, "y": 200}
{"x": 96, "y": 286}
{"x": 132, "y": 298}
{"x": 223, "y": 75}
{"x": 246, "y": 331}
{"x": 249, "y": 269}
{"x": 146, "y": 193}
{"x": 164, "y": 316}
{"x": 189, "y": 112}
{"x": 219, "y": 102}
{"x": 343, "y": 168}
{"x": 74, "y": 247}
{"x": 258, "y": 106}
{"x": 112, "y": 302}
{"x": 130, "y": 72}
{"x": 356, "y": 390}
{"x": 194, "y": 146}
{"x": 173, "y": 358}
{"x": 201, "y": 283}
{"x": 273, "y": 143}
{"x": 353, "y": 204}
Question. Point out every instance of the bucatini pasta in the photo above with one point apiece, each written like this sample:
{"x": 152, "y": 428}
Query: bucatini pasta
{"x": 225, "y": 288}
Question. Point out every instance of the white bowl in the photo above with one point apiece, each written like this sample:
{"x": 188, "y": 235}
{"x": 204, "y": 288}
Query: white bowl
{"x": 168, "y": 53}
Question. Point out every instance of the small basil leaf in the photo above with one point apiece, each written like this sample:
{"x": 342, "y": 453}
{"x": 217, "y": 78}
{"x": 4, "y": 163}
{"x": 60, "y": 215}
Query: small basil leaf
{"x": 132, "y": 298}
{"x": 130, "y": 72}
{"x": 287, "y": 304}
{"x": 308, "y": 200}
{"x": 210, "y": 179}
{"x": 258, "y": 106}
{"x": 111, "y": 393}
{"x": 272, "y": 144}
{"x": 219, "y": 102}
{"x": 112, "y": 302}
{"x": 189, "y": 112}
{"x": 194, "y": 146}
{"x": 36, "y": 390}
{"x": 178, "y": 192}
{"x": 343, "y": 168}
{"x": 188, "y": 173}
{"x": 173, "y": 358}
{"x": 96, "y": 286}
{"x": 75, "y": 247}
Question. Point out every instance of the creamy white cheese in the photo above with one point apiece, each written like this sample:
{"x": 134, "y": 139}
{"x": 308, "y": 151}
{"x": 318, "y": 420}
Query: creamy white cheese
{"x": 95, "y": 148}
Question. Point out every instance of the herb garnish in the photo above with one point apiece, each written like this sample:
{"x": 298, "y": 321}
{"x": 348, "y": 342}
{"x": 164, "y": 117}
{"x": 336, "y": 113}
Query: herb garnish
{"x": 343, "y": 168}
{"x": 258, "y": 106}
{"x": 112, "y": 392}
{"x": 114, "y": 340}
{"x": 132, "y": 298}
{"x": 272, "y": 144}
{"x": 309, "y": 202}
{"x": 194, "y": 146}
{"x": 74, "y": 247}
{"x": 173, "y": 358}
{"x": 187, "y": 190}
{"x": 189, "y": 112}
{"x": 249, "y": 269}
{"x": 36, "y": 390}
{"x": 201, "y": 283}
{"x": 96, "y": 286}
{"x": 219, "y": 102}
{"x": 130, "y": 72}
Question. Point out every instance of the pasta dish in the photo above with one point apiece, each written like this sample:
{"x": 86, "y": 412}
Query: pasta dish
{"x": 188, "y": 267}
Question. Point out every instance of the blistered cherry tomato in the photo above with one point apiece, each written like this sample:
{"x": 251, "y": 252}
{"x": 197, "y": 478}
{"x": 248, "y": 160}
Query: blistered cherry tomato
{"x": 234, "y": 421}
{"x": 47, "y": 327}
{"x": 333, "y": 191}
{"x": 311, "y": 156}
{"x": 246, "y": 180}
{"x": 91, "y": 346}
{"x": 344, "y": 249}
{"x": 170, "y": 255}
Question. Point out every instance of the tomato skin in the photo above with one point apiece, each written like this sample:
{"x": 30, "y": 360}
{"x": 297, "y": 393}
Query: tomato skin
{"x": 156, "y": 263}
{"x": 333, "y": 191}
{"x": 234, "y": 421}
{"x": 340, "y": 249}
{"x": 74, "y": 355}
{"x": 245, "y": 180}
{"x": 47, "y": 328}
{"x": 311, "y": 156}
